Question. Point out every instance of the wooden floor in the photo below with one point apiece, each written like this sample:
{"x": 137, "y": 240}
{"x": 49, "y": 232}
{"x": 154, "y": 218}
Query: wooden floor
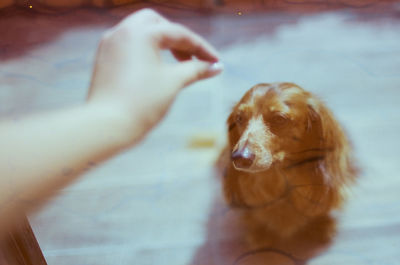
{"x": 160, "y": 203}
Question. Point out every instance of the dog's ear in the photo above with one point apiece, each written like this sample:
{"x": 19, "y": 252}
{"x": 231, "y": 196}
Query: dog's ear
{"x": 339, "y": 162}
{"x": 313, "y": 115}
{"x": 331, "y": 132}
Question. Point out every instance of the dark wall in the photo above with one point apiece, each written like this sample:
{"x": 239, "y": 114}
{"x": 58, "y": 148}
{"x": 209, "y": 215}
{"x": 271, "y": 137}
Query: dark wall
{"x": 210, "y": 5}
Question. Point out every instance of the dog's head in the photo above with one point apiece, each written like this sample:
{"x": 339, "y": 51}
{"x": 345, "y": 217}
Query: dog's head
{"x": 281, "y": 124}
{"x": 283, "y": 141}
{"x": 270, "y": 124}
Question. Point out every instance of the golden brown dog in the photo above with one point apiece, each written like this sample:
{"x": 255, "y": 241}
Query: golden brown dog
{"x": 290, "y": 159}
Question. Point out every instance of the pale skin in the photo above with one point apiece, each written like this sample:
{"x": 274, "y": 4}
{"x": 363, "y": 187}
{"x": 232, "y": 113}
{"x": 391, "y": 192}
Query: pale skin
{"x": 131, "y": 90}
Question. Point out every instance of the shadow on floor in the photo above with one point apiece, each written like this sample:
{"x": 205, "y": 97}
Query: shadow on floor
{"x": 233, "y": 240}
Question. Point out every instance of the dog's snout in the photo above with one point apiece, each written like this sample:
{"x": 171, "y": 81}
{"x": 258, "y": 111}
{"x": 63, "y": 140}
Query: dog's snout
{"x": 243, "y": 158}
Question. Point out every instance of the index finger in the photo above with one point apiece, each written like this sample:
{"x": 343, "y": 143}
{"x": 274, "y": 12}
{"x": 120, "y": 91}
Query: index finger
{"x": 182, "y": 40}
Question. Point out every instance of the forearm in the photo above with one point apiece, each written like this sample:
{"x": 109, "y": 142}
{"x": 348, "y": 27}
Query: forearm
{"x": 131, "y": 90}
{"x": 43, "y": 153}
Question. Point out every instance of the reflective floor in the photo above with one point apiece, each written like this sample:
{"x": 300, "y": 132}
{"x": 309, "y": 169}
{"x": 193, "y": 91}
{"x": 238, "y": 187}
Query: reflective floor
{"x": 161, "y": 202}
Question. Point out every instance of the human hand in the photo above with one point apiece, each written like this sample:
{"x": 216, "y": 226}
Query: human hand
{"x": 131, "y": 77}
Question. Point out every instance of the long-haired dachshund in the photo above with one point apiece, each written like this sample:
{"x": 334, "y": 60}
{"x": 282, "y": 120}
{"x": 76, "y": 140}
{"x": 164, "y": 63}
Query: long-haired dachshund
{"x": 290, "y": 160}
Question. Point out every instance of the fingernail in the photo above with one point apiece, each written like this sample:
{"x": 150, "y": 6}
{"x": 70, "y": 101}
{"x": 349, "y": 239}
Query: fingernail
{"x": 216, "y": 67}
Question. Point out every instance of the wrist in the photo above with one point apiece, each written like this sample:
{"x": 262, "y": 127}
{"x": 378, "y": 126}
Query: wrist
{"x": 115, "y": 123}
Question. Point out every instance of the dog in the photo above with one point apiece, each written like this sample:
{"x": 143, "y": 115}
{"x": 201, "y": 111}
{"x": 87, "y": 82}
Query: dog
{"x": 290, "y": 160}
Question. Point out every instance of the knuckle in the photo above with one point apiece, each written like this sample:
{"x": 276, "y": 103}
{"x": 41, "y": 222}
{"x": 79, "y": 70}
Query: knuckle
{"x": 141, "y": 23}
{"x": 155, "y": 32}
{"x": 179, "y": 28}
{"x": 147, "y": 13}
{"x": 123, "y": 32}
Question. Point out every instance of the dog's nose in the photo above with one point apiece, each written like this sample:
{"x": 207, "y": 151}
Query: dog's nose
{"x": 242, "y": 158}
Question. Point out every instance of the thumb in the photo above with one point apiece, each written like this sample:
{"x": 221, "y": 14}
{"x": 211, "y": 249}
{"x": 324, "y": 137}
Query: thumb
{"x": 189, "y": 72}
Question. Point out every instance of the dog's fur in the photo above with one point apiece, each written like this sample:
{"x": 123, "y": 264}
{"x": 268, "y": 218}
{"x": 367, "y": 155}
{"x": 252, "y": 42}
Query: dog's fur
{"x": 290, "y": 158}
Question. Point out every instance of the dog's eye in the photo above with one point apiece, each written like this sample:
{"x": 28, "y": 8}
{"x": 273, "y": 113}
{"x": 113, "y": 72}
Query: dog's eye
{"x": 279, "y": 119}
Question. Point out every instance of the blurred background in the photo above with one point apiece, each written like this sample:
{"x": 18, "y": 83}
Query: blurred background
{"x": 160, "y": 203}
